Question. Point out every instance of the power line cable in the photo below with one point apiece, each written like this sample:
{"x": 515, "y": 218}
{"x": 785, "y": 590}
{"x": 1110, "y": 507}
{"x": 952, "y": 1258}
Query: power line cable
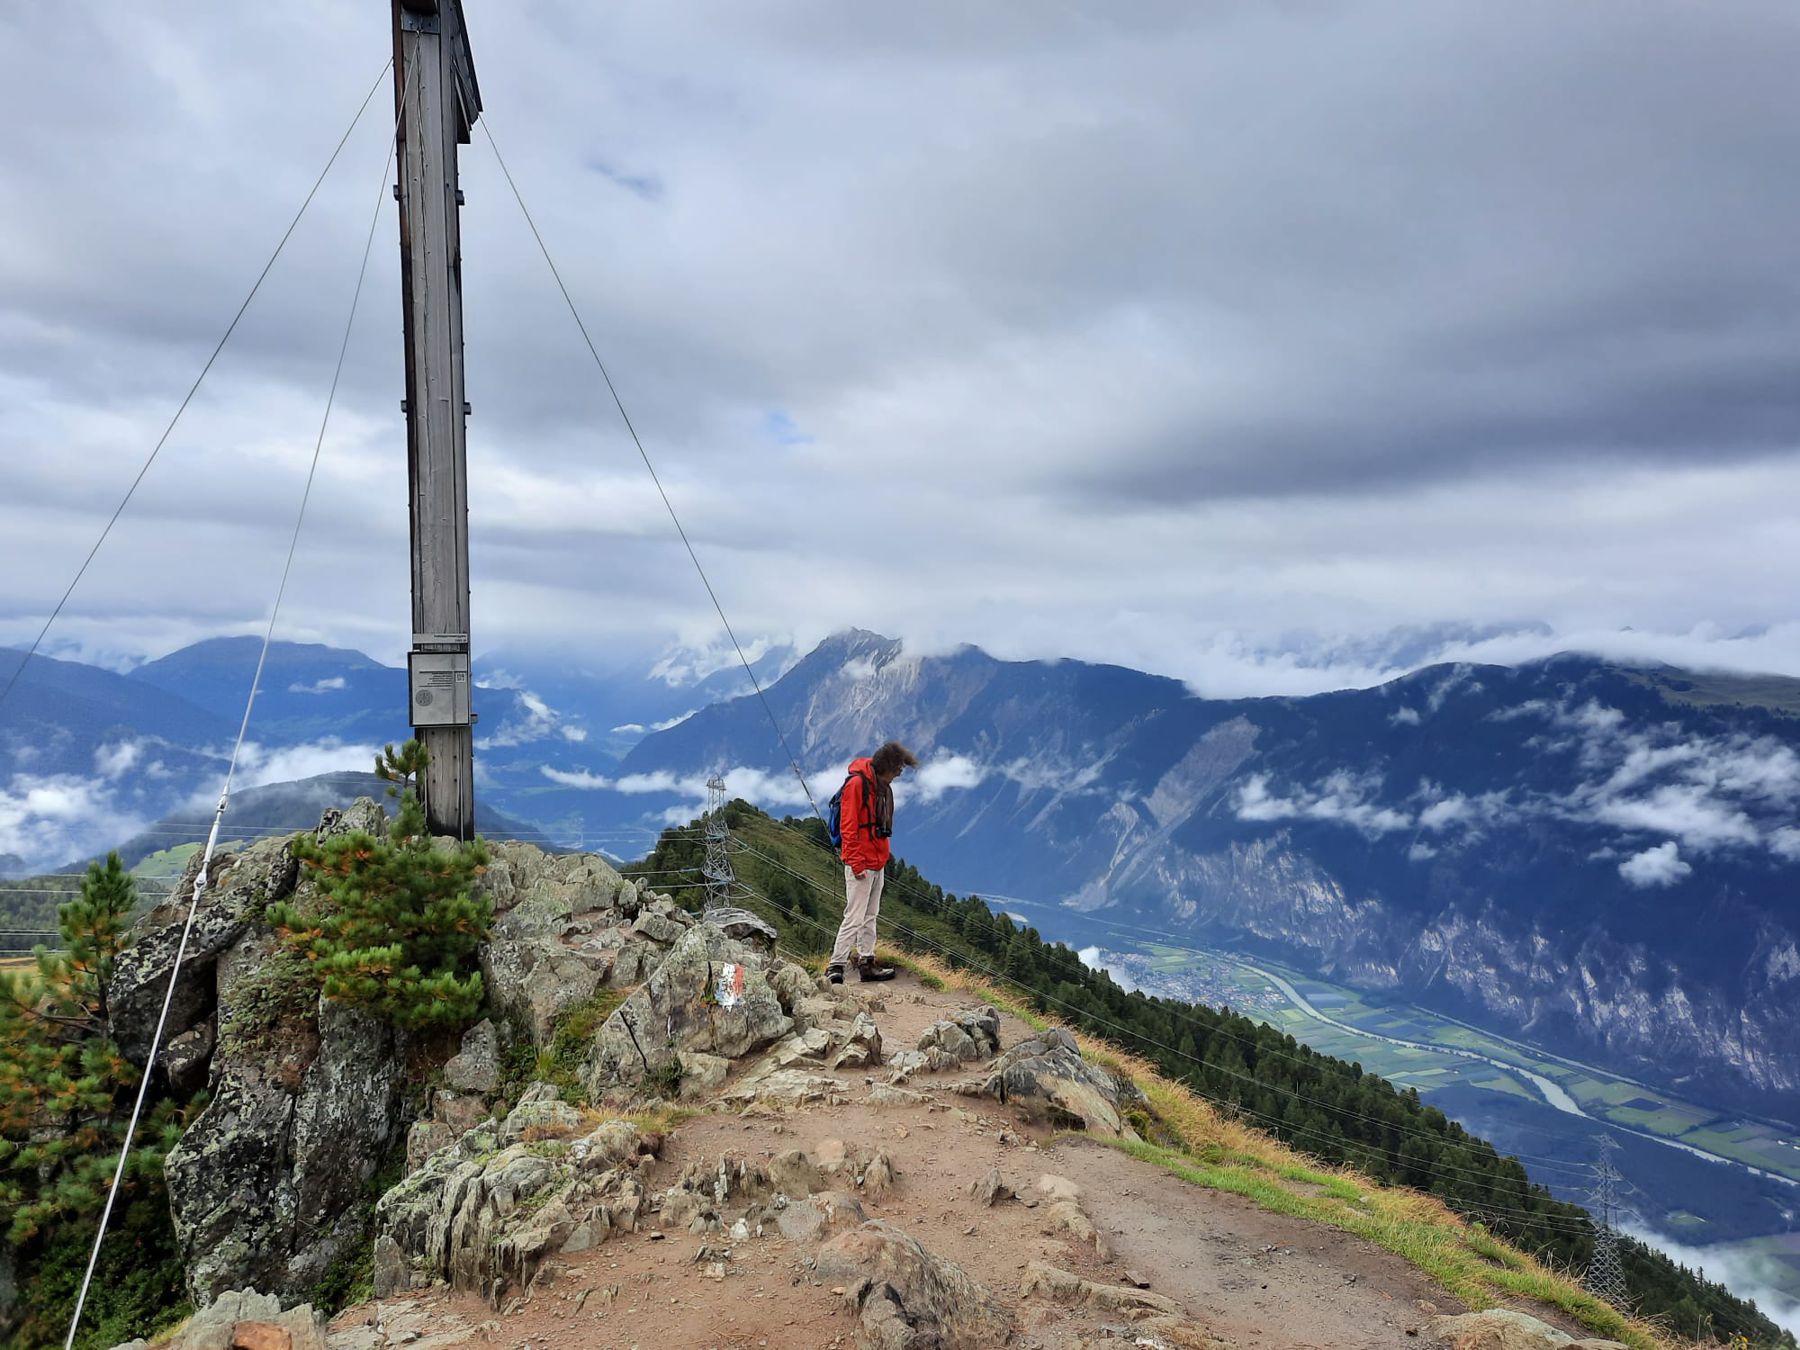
{"x": 1551, "y": 1222}
{"x": 230, "y": 328}
{"x": 718, "y": 606}
{"x": 1142, "y": 1039}
{"x": 1115, "y": 929}
{"x": 1543, "y": 1162}
{"x": 200, "y": 876}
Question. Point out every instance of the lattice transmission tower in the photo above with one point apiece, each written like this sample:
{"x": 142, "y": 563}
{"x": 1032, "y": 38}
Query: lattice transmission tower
{"x": 723, "y": 891}
{"x": 1605, "y": 1276}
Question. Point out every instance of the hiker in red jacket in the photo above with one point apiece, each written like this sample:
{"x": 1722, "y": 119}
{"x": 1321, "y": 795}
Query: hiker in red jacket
{"x": 866, "y": 818}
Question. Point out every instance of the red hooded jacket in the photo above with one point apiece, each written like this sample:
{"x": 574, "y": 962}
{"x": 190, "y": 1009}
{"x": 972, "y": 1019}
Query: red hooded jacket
{"x": 861, "y": 805}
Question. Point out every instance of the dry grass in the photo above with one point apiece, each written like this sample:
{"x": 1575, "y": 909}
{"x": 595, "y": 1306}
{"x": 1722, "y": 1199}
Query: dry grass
{"x": 1209, "y": 1148}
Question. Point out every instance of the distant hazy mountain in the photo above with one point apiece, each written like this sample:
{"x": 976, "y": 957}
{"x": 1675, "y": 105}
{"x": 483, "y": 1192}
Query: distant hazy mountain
{"x": 62, "y": 715}
{"x": 89, "y": 757}
{"x": 308, "y": 692}
{"x": 1597, "y": 856}
{"x": 283, "y": 808}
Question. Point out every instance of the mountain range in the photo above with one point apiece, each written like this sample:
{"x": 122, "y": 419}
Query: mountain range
{"x": 1596, "y": 857}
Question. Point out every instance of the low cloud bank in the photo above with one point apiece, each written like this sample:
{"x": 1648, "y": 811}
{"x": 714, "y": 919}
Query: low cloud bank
{"x": 1742, "y": 1274}
{"x": 1095, "y": 958}
{"x": 1673, "y": 797}
{"x": 51, "y": 820}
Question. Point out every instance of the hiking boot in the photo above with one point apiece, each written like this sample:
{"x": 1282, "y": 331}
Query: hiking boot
{"x": 868, "y": 970}
{"x": 835, "y": 974}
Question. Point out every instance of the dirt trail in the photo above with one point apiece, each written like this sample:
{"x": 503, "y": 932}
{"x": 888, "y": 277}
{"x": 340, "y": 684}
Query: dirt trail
{"x": 1251, "y": 1278}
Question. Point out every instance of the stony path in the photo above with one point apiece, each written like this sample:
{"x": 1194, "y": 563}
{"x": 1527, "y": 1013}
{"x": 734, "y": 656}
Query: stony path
{"x": 1248, "y": 1277}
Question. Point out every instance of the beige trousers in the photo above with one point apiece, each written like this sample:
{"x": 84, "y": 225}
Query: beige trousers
{"x": 862, "y": 902}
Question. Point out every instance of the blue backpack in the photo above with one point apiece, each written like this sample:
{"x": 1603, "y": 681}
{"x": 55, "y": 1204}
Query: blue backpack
{"x": 834, "y": 809}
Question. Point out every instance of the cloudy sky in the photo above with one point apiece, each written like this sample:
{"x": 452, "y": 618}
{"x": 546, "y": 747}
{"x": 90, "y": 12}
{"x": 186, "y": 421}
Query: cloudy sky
{"x": 1270, "y": 345}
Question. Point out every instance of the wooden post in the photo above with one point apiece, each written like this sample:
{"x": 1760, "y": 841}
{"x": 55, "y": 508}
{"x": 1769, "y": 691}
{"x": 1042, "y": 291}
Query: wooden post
{"x": 437, "y": 102}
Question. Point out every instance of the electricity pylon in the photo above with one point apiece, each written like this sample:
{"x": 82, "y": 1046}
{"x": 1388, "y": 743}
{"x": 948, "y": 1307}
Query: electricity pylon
{"x": 722, "y": 889}
{"x": 1605, "y": 1276}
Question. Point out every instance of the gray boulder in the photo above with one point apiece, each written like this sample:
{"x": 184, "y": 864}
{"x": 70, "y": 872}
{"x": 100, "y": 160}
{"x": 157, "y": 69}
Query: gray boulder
{"x": 476, "y": 1067}
{"x": 547, "y": 889}
{"x": 908, "y": 1298}
{"x": 1047, "y": 1076}
{"x": 215, "y": 1327}
{"x": 661, "y": 929}
{"x": 539, "y": 899}
{"x": 365, "y": 814}
{"x": 951, "y": 1043}
{"x": 710, "y": 994}
{"x": 820, "y": 1213}
{"x": 741, "y": 925}
{"x": 1508, "y": 1329}
{"x": 266, "y": 1186}
{"x": 538, "y": 1119}
{"x": 536, "y": 980}
{"x": 965, "y": 1036}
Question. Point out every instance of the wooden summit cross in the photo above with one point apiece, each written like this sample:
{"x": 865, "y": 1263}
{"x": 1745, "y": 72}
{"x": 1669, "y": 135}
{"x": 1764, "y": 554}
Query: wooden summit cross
{"x": 437, "y": 102}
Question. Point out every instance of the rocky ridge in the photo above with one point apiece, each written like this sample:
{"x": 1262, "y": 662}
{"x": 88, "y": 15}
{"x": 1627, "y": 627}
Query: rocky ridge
{"x": 829, "y": 1190}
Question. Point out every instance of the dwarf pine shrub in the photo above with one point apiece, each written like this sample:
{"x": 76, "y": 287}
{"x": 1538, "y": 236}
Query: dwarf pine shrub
{"x": 394, "y": 925}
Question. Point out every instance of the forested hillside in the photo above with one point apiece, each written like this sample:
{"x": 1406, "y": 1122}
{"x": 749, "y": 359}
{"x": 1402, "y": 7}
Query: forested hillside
{"x": 1323, "y": 1106}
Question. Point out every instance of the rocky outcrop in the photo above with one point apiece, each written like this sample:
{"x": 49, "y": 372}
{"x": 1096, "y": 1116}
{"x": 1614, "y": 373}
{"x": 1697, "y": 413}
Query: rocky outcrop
{"x": 906, "y": 1297}
{"x": 532, "y": 975}
{"x": 266, "y": 1186}
{"x": 483, "y": 1215}
{"x": 475, "y": 1067}
{"x": 245, "y": 1317}
{"x": 1152, "y": 1318}
{"x": 460, "y": 1103}
{"x": 710, "y": 995}
{"x": 564, "y": 926}
{"x": 832, "y": 1024}
{"x": 240, "y": 886}
{"x": 803, "y": 1195}
{"x": 783, "y": 1087}
{"x": 1505, "y": 1329}
{"x": 852, "y": 1044}
{"x": 1047, "y": 1077}
{"x": 1064, "y": 1214}
{"x": 952, "y": 1042}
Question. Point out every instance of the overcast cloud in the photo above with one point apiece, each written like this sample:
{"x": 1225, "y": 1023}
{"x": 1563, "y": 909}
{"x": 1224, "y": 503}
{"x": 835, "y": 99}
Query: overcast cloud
{"x": 1271, "y": 346}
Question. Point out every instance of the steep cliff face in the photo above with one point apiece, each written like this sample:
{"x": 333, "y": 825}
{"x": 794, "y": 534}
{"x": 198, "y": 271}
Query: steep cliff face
{"x": 1594, "y": 856}
{"x": 1582, "y": 993}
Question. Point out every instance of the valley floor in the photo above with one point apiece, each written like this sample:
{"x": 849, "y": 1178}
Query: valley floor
{"x": 1710, "y": 1180}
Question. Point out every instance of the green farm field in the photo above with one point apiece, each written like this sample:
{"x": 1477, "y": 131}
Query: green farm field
{"x": 1343, "y": 1022}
